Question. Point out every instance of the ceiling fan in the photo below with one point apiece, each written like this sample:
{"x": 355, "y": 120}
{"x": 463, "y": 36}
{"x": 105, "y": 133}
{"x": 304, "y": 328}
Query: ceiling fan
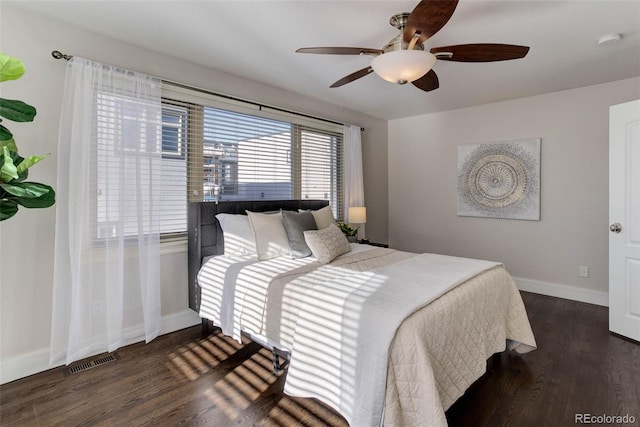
{"x": 404, "y": 59}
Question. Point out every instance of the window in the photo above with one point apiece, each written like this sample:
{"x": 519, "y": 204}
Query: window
{"x": 174, "y": 130}
{"x": 127, "y": 133}
{"x": 173, "y": 220}
{"x": 246, "y": 157}
{"x": 320, "y": 173}
{"x": 215, "y": 151}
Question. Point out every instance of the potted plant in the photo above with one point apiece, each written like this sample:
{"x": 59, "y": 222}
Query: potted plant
{"x": 350, "y": 232}
{"x": 14, "y": 189}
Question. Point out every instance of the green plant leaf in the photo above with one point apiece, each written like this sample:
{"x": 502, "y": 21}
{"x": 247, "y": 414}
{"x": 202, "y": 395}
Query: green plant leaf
{"x": 5, "y": 134}
{"x": 14, "y": 191}
{"x": 10, "y": 144}
{"x": 8, "y": 208}
{"x": 8, "y": 171}
{"x": 11, "y": 68}
{"x": 30, "y": 161}
{"x": 21, "y": 176}
{"x": 347, "y": 229}
{"x": 17, "y": 111}
{"x": 44, "y": 201}
{"x": 30, "y": 190}
{"x": 23, "y": 172}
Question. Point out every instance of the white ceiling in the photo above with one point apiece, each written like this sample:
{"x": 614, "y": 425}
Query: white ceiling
{"x": 257, "y": 40}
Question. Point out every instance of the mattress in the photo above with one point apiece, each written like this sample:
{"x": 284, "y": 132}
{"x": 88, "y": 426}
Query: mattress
{"x": 382, "y": 336}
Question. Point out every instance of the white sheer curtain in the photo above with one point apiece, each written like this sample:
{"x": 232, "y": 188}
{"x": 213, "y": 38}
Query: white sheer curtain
{"x": 107, "y": 261}
{"x": 354, "y": 181}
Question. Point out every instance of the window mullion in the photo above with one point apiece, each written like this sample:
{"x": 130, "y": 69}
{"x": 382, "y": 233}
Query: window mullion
{"x": 195, "y": 154}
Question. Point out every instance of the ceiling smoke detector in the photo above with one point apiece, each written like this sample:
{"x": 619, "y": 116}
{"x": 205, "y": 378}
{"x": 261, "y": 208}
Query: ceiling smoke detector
{"x": 609, "y": 39}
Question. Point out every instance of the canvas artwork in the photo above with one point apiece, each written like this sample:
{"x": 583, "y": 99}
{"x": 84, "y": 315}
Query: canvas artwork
{"x": 500, "y": 179}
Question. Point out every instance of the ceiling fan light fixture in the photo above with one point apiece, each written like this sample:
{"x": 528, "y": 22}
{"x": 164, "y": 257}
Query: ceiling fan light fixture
{"x": 403, "y": 66}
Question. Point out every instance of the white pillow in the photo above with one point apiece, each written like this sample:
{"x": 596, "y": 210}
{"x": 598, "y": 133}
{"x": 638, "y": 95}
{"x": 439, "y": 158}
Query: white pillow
{"x": 323, "y": 217}
{"x": 327, "y": 244}
{"x": 270, "y": 235}
{"x": 238, "y": 236}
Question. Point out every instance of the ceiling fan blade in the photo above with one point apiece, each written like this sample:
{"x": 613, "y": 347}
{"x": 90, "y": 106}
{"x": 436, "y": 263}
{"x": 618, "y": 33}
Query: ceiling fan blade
{"x": 480, "y": 52}
{"x": 428, "y": 17}
{"x": 340, "y": 50}
{"x": 427, "y": 82}
{"x": 353, "y": 76}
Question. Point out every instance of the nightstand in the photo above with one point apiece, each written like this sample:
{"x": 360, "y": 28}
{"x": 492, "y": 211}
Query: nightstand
{"x": 366, "y": 242}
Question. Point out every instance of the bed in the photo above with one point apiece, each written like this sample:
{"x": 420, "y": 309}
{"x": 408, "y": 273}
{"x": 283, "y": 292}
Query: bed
{"x": 384, "y": 337}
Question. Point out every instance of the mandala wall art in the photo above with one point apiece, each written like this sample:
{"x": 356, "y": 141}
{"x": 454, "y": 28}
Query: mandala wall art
{"x": 500, "y": 179}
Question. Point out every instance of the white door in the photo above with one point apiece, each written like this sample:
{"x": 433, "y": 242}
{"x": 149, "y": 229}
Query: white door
{"x": 624, "y": 217}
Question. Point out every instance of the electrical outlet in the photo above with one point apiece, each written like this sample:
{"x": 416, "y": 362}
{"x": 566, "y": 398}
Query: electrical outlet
{"x": 583, "y": 271}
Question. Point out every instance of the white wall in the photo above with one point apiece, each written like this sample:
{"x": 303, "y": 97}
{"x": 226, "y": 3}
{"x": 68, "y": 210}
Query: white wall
{"x": 27, "y": 240}
{"x": 544, "y": 255}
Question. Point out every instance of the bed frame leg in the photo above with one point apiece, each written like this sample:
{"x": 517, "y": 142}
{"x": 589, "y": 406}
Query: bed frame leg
{"x": 277, "y": 366}
{"x": 206, "y": 327}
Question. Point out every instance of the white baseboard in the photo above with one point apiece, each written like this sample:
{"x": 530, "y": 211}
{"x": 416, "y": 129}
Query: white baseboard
{"x": 38, "y": 361}
{"x": 24, "y": 365}
{"x": 563, "y": 291}
{"x": 175, "y": 322}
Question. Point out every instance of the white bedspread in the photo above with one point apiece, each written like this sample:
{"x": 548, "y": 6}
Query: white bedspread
{"x": 441, "y": 349}
{"x": 351, "y": 324}
{"x": 447, "y": 314}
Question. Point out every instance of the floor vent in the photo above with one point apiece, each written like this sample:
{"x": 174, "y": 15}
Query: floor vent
{"x": 90, "y": 364}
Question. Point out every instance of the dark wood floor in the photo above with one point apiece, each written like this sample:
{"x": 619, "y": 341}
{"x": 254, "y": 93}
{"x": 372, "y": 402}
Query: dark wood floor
{"x": 183, "y": 379}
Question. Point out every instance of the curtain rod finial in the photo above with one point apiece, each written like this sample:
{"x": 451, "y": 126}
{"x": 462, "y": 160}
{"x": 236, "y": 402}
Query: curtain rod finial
{"x": 59, "y": 55}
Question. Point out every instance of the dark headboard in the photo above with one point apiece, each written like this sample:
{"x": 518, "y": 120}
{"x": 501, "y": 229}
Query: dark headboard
{"x": 205, "y": 234}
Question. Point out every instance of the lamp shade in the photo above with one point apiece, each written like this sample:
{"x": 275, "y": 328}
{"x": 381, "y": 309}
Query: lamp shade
{"x": 358, "y": 215}
{"x": 403, "y": 66}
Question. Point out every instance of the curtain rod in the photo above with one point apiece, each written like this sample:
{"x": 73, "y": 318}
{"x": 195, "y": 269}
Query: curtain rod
{"x": 59, "y": 55}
